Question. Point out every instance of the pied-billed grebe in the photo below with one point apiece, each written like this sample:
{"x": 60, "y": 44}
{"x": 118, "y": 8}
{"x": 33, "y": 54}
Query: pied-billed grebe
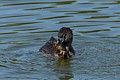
{"x": 61, "y": 47}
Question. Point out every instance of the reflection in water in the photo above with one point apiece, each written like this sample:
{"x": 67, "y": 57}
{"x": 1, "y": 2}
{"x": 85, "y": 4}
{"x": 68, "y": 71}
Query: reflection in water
{"x": 63, "y": 69}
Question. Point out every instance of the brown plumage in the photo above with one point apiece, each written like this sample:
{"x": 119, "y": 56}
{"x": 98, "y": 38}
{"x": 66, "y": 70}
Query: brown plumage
{"x": 61, "y": 47}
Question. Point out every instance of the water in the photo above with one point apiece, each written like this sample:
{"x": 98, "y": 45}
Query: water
{"x": 26, "y": 25}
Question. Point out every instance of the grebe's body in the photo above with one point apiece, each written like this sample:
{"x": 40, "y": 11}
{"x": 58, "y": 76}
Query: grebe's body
{"x": 61, "y": 47}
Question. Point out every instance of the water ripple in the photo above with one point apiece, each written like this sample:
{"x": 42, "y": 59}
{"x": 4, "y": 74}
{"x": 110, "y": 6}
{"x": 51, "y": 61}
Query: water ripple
{"x": 25, "y": 26}
{"x": 19, "y": 24}
{"x": 16, "y": 16}
{"x": 92, "y": 31}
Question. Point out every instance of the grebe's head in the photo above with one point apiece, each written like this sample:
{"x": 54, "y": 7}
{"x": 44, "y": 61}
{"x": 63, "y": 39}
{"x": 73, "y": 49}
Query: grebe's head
{"x": 65, "y": 36}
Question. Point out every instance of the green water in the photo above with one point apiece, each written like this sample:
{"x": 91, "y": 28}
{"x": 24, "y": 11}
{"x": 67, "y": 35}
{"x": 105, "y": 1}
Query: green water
{"x": 26, "y": 25}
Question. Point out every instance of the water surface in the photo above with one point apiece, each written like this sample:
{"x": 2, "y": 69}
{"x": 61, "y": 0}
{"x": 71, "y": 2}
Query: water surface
{"x": 26, "y": 25}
